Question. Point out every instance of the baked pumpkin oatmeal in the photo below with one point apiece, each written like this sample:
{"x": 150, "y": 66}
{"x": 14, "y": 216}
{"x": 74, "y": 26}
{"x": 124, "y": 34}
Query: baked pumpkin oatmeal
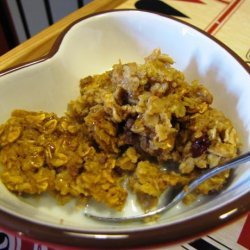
{"x": 114, "y": 138}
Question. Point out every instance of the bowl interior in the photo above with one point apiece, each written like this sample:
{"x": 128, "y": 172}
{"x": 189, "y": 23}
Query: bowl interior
{"x": 92, "y": 46}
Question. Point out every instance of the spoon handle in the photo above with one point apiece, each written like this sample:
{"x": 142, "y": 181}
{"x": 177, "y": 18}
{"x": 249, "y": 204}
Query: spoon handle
{"x": 214, "y": 171}
{"x": 205, "y": 176}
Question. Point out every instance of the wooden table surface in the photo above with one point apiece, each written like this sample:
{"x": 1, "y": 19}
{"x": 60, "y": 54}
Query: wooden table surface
{"x": 227, "y": 20}
{"x": 40, "y": 44}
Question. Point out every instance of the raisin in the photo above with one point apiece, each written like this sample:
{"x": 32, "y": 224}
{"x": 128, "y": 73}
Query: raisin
{"x": 131, "y": 138}
{"x": 122, "y": 97}
{"x": 200, "y": 145}
{"x": 129, "y": 123}
{"x": 147, "y": 86}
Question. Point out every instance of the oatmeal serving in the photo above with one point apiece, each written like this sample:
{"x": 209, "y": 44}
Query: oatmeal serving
{"x": 124, "y": 125}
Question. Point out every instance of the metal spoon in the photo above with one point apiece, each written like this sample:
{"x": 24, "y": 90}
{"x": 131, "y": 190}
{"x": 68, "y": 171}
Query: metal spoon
{"x": 170, "y": 202}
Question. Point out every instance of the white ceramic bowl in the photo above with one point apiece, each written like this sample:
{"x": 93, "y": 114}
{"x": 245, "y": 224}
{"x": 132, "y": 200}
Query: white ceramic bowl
{"x": 92, "y": 45}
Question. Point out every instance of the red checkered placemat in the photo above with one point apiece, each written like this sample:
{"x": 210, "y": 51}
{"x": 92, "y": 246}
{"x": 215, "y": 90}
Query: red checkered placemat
{"x": 235, "y": 236}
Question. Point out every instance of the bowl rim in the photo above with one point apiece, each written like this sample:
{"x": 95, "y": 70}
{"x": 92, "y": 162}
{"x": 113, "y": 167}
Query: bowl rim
{"x": 58, "y": 41}
{"x": 126, "y": 238}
